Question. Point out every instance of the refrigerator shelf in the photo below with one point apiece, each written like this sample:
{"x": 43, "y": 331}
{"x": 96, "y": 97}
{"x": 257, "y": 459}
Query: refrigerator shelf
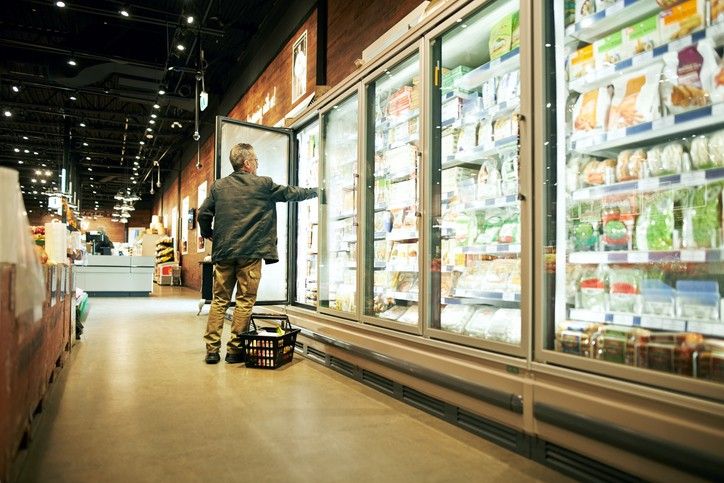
{"x": 496, "y": 67}
{"x": 672, "y": 181}
{"x": 380, "y": 235}
{"x": 485, "y": 295}
{"x": 615, "y": 17}
{"x": 408, "y": 296}
{"x": 715, "y": 328}
{"x": 403, "y": 235}
{"x": 400, "y": 177}
{"x": 343, "y": 216}
{"x": 606, "y": 144}
{"x": 499, "y": 109}
{"x": 501, "y": 202}
{"x": 491, "y": 249}
{"x": 412, "y": 138}
{"x": 703, "y": 255}
{"x": 480, "y": 153}
{"x": 603, "y": 77}
{"x": 390, "y": 123}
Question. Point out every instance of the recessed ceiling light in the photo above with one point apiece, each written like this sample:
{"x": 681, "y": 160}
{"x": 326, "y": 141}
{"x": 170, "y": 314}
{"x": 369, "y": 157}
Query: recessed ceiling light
{"x": 87, "y": 158}
{"x": 85, "y": 143}
{"x": 25, "y": 137}
{"x": 48, "y": 172}
{"x": 133, "y": 182}
{"x": 125, "y": 12}
{"x": 138, "y": 157}
{"x": 141, "y": 143}
{"x": 190, "y": 19}
{"x": 91, "y": 178}
{"x": 136, "y": 163}
{"x": 152, "y": 121}
{"x": 73, "y": 98}
{"x": 42, "y": 181}
{"x": 35, "y": 153}
{"x": 8, "y": 113}
{"x": 154, "y": 116}
{"x": 26, "y": 151}
{"x": 156, "y": 106}
{"x": 16, "y": 89}
{"x": 181, "y": 47}
{"x": 60, "y": 4}
{"x": 38, "y": 172}
{"x": 149, "y": 129}
{"x": 72, "y": 62}
{"x": 43, "y": 165}
{"x": 16, "y": 150}
{"x": 20, "y": 162}
{"x": 82, "y": 124}
{"x": 90, "y": 169}
{"x": 33, "y": 180}
{"x": 161, "y": 92}
{"x": 94, "y": 192}
{"x": 92, "y": 187}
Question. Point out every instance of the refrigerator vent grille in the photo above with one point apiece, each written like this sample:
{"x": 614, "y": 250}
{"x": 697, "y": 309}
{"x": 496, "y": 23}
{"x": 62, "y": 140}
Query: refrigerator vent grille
{"x": 497, "y": 433}
{"x": 378, "y": 382}
{"x": 581, "y": 467}
{"x": 298, "y": 345}
{"x": 316, "y": 353}
{"x": 423, "y": 401}
{"x": 342, "y": 366}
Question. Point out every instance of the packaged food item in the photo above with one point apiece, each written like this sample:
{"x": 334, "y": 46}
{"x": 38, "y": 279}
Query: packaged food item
{"x": 658, "y": 298}
{"x": 509, "y": 174}
{"x": 569, "y": 12}
{"x": 584, "y": 8}
{"x": 641, "y": 37}
{"x": 468, "y": 137}
{"x": 510, "y": 229}
{"x": 716, "y": 149}
{"x": 478, "y": 324}
{"x": 667, "y": 159}
{"x": 581, "y": 62}
{"x": 630, "y": 164}
{"x": 618, "y": 217}
{"x": 501, "y": 37}
{"x": 597, "y": 172}
{"x": 681, "y": 20}
{"x": 573, "y": 167}
{"x": 655, "y": 225}
{"x": 609, "y": 50}
{"x": 515, "y": 36}
{"x": 410, "y": 315}
{"x": 492, "y": 224}
{"x": 709, "y": 360}
{"x": 394, "y": 312}
{"x": 508, "y": 87}
{"x": 591, "y": 111}
{"x": 503, "y": 128}
{"x": 688, "y": 79}
{"x": 697, "y": 299}
{"x": 449, "y": 142}
{"x": 485, "y": 134}
{"x": 635, "y": 98}
{"x": 617, "y": 344}
{"x": 717, "y": 11}
{"x": 585, "y": 234}
{"x": 699, "y": 153}
{"x": 454, "y": 317}
{"x": 592, "y": 289}
{"x": 488, "y": 180}
{"x": 701, "y": 227}
{"x": 505, "y": 326}
{"x": 668, "y": 351}
{"x": 488, "y": 89}
{"x": 623, "y": 290}
{"x": 574, "y": 338}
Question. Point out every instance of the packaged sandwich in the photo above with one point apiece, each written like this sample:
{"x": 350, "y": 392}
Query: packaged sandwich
{"x": 681, "y": 20}
{"x": 667, "y": 159}
{"x": 688, "y": 78}
{"x": 488, "y": 180}
{"x": 699, "y": 153}
{"x": 454, "y": 317}
{"x": 590, "y": 113}
{"x": 630, "y": 164}
{"x": 596, "y": 172}
{"x": 635, "y": 98}
{"x": 508, "y": 86}
{"x": 716, "y": 149}
{"x": 609, "y": 50}
{"x": 509, "y": 174}
{"x": 574, "y": 338}
{"x": 581, "y": 62}
{"x": 641, "y": 37}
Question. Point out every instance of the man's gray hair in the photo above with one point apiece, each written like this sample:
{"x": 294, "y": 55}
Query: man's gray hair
{"x": 239, "y": 154}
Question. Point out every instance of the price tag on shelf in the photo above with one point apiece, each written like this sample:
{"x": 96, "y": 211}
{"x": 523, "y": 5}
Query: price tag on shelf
{"x": 616, "y": 134}
{"x": 648, "y": 184}
{"x": 698, "y": 256}
{"x": 673, "y": 324}
{"x": 694, "y": 178}
{"x": 638, "y": 257}
{"x": 615, "y": 8}
{"x": 652, "y": 322}
{"x": 708, "y": 328}
{"x": 620, "y": 319}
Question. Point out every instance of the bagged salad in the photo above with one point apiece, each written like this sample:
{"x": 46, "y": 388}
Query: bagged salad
{"x": 585, "y": 231}
{"x": 655, "y": 225}
{"x": 618, "y": 217}
{"x": 494, "y": 220}
{"x": 670, "y": 158}
{"x": 592, "y": 288}
{"x": 510, "y": 229}
{"x": 623, "y": 290}
{"x": 701, "y": 226}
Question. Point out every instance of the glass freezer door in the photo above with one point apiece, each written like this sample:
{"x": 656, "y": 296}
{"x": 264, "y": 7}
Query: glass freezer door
{"x": 476, "y": 212}
{"x": 273, "y": 147}
{"x": 392, "y": 212}
{"x": 635, "y": 189}
{"x": 340, "y": 176}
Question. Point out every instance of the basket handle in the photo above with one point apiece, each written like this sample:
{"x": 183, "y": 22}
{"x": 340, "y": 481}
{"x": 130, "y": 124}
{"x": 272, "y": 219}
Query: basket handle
{"x": 282, "y": 319}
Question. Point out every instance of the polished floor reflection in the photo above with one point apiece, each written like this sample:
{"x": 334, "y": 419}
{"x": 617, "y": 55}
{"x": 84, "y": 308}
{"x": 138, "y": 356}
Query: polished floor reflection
{"x": 136, "y": 404}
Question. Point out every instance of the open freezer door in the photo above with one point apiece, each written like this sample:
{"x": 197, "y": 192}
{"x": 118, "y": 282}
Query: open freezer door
{"x": 274, "y": 148}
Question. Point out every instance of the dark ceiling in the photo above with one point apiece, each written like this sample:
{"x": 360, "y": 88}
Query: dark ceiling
{"x": 99, "y": 114}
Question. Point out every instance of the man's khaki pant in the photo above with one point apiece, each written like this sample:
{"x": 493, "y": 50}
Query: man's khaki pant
{"x": 245, "y": 274}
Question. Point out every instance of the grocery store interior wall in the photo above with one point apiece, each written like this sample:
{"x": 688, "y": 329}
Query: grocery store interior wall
{"x": 117, "y": 232}
{"x": 351, "y": 27}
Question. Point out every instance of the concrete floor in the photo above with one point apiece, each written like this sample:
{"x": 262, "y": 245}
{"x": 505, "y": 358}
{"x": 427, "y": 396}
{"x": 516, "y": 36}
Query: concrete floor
{"x": 136, "y": 403}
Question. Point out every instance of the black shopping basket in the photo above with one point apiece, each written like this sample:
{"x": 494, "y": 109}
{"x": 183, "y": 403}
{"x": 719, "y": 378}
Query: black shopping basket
{"x": 265, "y": 347}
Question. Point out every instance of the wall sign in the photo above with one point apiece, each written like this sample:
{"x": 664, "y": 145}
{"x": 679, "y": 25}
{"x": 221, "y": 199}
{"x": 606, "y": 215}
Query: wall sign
{"x": 299, "y": 67}
{"x": 270, "y": 100}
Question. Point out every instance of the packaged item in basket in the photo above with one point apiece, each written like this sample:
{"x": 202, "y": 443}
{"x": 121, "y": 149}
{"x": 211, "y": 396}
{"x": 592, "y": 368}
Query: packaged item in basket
{"x": 574, "y": 338}
{"x": 623, "y": 290}
{"x": 655, "y": 225}
{"x": 596, "y": 172}
{"x": 709, "y": 363}
{"x": 697, "y": 299}
{"x": 688, "y": 79}
{"x": 581, "y": 62}
{"x": 510, "y": 229}
{"x": 635, "y": 98}
{"x": 668, "y": 351}
{"x": 584, "y": 8}
{"x": 509, "y": 174}
{"x": 609, "y": 50}
{"x": 591, "y": 111}
{"x": 702, "y": 215}
{"x": 641, "y": 37}
{"x": 501, "y": 36}
{"x": 454, "y": 317}
{"x": 489, "y": 88}
{"x": 592, "y": 288}
{"x": 716, "y": 149}
{"x": 508, "y": 86}
{"x": 658, "y": 298}
{"x": 488, "y": 180}
{"x": 505, "y": 326}
{"x": 630, "y": 164}
{"x": 478, "y": 324}
{"x": 617, "y": 344}
{"x": 681, "y": 20}
{"x": 668, "y": 159}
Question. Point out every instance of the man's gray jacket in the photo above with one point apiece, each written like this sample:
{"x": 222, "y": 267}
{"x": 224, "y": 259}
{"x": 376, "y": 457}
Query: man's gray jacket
{"x": 243, "y": 208}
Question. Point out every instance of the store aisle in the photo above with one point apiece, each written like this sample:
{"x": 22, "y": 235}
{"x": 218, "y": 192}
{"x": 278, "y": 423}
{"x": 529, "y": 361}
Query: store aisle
{"x": 137, "y": 403}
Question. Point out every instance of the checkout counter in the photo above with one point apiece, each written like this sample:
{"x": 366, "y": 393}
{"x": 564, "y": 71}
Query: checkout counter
{"x": 115, "y": 276}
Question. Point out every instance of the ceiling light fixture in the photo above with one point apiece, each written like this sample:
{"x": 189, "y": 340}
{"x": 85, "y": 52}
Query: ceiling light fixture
{"x": 25, "y": 137}
{"x": 88, "y": 158}
{"x": 16, "y": 150}
{"x": 125, "y": 11}
{"x": 154, "y": 116}
{"x": 26, "y": 151}
{"x": 73, "y": 98}
{"x": 152, "y": 121}
{"x": 20, "y": 162}
{"x": 16, "y": 89}
{"x": 156, "y": 106}
{"x": 8, "y": 113}
{"x": 190, "y": 19}
{"x": 82, "y": 124}
{"x": 72, "y": 62}
{"x": 149, "y": 129}
{"x": 60, "y": 4}
{"x": 180, "y": 47}
{"x": 90, "y": 169}
{"x": 141, "y": 143}
{"x": 161, "y": 92}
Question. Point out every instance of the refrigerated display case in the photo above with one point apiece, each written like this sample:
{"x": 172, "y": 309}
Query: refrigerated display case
{"x": 307, "y": 216}
{"x": 340, "y": 176}
{"x": 392, "y": 282}
{"x": 635, "y": 171}
{"x": 474, "y": 180}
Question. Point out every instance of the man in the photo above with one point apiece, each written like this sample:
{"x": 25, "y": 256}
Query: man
{"x": 243, "y": 208}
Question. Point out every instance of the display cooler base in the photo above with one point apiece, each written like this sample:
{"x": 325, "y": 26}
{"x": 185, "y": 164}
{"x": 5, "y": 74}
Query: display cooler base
{"x": 118, "y": 294}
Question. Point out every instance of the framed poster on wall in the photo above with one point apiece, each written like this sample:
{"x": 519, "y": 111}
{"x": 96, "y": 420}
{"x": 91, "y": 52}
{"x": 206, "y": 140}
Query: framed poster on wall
{"x": 299, "y": 67}
{"x": 201, "y": 196}
{"x": 184, "y": 226}
{"x": 174, "y": 227}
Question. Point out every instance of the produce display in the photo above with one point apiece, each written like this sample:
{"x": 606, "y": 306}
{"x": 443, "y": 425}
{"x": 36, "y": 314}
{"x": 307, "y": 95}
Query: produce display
{"x": 641, "y": 248}
{"x": 164, "y": 250}
{"x": 338, "y": 266}
{"x": 307, "y": 214}
{"x": 38, "y": 233}
{"x": 479, "y": 212}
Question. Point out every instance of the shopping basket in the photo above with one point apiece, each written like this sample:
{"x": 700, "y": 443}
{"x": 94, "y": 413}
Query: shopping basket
{"x": 266, "y": 347}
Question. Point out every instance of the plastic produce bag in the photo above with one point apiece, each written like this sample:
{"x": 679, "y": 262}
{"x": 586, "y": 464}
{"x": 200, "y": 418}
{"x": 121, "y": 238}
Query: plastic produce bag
{"x": 16, "y": 247}
{"x": 702, "y": 215}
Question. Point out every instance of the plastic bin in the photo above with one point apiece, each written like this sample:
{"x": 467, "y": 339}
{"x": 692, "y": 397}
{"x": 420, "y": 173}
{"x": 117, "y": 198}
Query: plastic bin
{"x": 265, "y": 347}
